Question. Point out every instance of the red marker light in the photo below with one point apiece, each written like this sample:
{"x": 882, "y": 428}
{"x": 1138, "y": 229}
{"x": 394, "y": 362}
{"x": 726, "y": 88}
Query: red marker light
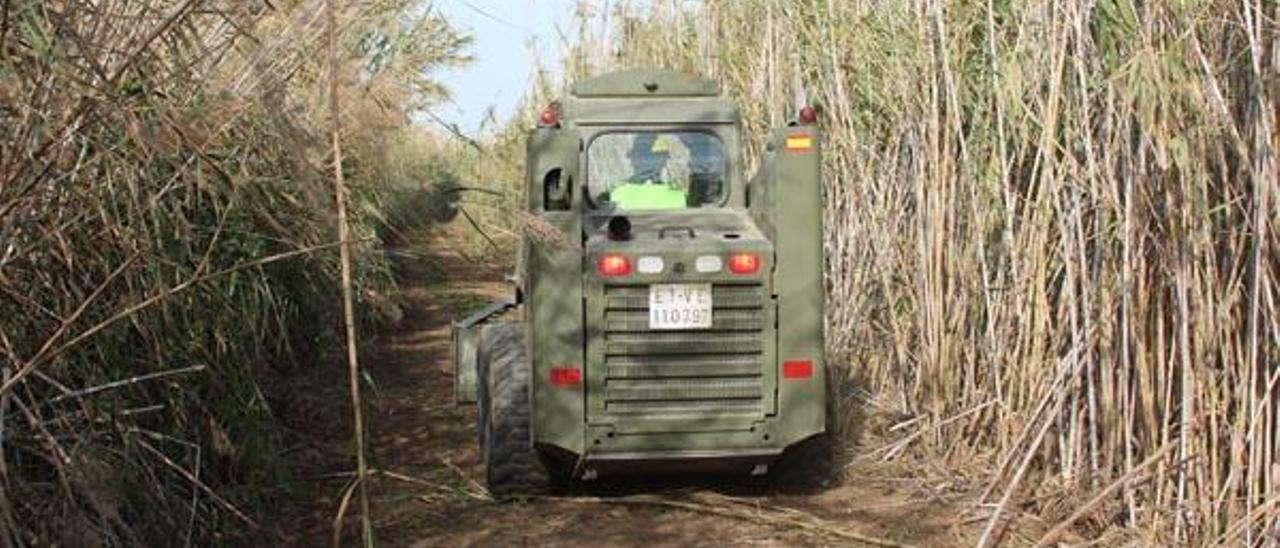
{"x": 611, "y": 266}
{"x": 550, "y": 116}
{"x": 744, "y": 263}
{"x": 565, "y": 376}
{"x": 797, "y": 369}
{"x": 808, "y": 115}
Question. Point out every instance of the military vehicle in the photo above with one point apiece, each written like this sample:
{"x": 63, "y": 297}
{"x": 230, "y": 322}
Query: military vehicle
{"x": 677, "y": 319}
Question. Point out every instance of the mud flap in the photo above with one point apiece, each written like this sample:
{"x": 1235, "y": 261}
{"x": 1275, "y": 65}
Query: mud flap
{"x": 466, "y": 338}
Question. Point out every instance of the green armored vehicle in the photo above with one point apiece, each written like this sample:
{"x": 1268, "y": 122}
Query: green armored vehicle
{"x": 676, "y": 319}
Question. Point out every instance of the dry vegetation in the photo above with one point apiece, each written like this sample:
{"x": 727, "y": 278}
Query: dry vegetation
{"x": 1053, "y": 254}
{"x": 167, "y": 245}
{"x": 1051, "y": 228}
{"x": 484, "y": 193}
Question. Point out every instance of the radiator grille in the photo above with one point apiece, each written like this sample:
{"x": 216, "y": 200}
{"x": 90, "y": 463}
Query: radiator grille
{"x": 716, "y": 371}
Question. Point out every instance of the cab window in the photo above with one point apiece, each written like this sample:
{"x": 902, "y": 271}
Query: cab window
{"x": 656, "y": 170}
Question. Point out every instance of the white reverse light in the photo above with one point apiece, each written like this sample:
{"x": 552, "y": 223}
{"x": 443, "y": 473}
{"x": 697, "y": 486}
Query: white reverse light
{"x": 708, "y": 263}
{"x": 649, "y": 265}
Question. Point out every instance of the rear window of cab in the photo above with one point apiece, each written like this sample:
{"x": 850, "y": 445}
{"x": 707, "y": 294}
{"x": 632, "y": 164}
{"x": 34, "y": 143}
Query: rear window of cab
{"x": 656, "y": 170}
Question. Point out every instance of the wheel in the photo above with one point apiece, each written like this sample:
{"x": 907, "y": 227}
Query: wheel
{"x": 814, "y": 462}
{"x": 512, "y": 465}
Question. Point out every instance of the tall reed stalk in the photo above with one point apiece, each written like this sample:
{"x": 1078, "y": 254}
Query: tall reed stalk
{"x": 167, "y": 248}
{"x": 340, "y": 197}
{"x": 1051, "y": 233}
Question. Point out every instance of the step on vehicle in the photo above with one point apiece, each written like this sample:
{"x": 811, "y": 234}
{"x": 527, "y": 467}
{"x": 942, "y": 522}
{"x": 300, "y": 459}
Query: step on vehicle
{"x": 678, "y": 320}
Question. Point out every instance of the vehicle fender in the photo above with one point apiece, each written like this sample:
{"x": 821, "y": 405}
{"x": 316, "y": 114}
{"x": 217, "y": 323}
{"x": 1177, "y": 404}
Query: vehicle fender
{"x": 466, "y": 336}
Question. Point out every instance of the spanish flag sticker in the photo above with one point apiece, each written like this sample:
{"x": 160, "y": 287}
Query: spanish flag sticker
{"x": 799, "y": 143}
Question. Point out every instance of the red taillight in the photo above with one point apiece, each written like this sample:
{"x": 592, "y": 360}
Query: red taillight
{"x": 610, "y": 266}
{"x": 797, "y": 369}
{"x": 565, "y": 376}
{"x": 550, "y": 116}
{"x": 744, "y": 263}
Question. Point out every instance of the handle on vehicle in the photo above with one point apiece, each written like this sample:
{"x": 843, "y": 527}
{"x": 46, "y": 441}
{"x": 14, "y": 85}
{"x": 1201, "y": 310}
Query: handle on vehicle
{"x": 662, "y": 232}
{"x": 555, "y": 190}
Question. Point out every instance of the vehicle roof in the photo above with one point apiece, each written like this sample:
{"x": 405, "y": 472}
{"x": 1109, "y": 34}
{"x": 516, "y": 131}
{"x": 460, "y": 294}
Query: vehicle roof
{"x": 648, "y": 96}
{"x": 646, "y": 83}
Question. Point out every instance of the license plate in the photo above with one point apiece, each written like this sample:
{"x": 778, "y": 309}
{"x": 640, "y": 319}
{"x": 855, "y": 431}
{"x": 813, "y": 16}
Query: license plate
{"x": 680, "y": 306}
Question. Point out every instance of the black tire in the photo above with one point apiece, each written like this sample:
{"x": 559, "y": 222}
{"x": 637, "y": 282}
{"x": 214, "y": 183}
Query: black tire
{"x": 814, "y": 463}
{"x": 512, "y": 467}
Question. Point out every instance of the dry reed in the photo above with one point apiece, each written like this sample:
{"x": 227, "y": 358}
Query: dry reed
{"x": 1051, "y": 232}
{"x": 166, "y": 246}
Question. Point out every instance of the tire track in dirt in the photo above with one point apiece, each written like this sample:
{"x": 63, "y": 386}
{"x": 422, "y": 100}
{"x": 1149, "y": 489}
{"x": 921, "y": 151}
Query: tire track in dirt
{"x": 429, "y": 492}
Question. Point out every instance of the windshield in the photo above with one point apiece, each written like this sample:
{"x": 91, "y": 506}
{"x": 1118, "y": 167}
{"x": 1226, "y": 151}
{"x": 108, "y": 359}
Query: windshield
{"x": 656, "y": 170}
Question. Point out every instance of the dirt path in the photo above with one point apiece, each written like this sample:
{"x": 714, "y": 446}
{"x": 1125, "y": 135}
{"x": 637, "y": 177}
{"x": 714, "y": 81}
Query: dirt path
{"x": 431, "y": 493}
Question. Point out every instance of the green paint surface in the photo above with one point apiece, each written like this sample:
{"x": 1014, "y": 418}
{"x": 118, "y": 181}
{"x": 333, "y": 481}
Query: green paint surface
{"x": 678, "y": 394}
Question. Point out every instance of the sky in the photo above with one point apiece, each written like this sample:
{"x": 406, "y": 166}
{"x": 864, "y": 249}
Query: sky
{"x": 509, "y": 36}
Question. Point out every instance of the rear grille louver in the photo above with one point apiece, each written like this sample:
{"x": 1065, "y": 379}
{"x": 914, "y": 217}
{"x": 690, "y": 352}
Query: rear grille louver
{"x": 716, "y": 371}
